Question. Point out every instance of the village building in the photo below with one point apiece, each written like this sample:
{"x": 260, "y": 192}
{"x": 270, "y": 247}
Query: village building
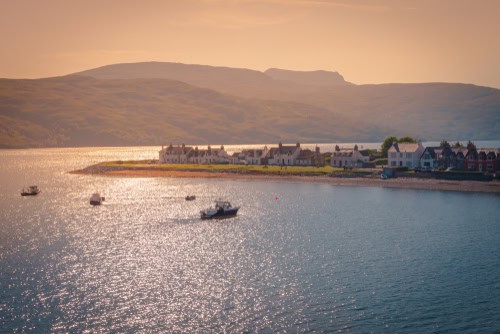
{"x": 310, "y": 158}
{"x": 250, "y": 157}
{"x": 405, "y": 155}
{"x": 482, "y": 160}
{"x": 429, "y": 159}
{"x": 349, "y": 158}
{"x": 457, "y": 158}
{"x": 187, "y": 154}
{"x": 174, "y": 154}
{"x": 237, "y": 158}
{"x": 283, "y": 155}
{"x": 208, "y": 156}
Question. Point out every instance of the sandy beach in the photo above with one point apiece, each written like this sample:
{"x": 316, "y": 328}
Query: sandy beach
{"x": 400, "y": 182}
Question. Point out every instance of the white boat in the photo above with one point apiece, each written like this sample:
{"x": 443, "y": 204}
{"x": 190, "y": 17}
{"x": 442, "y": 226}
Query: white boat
{"x": 30, "y": 191}
{"x": 222, "y": 209}
{"x": 96, "y": 199}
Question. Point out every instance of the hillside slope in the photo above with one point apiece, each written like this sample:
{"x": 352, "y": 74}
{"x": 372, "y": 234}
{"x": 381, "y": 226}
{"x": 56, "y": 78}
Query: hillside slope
{"x": 127, "y": 104}
{"x": 430, "y": 111}
{"x": 83, "y": 111}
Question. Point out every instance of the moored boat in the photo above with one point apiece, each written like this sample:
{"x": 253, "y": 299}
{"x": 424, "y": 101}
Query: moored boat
{"x": 190, "y": 198}
{"x": 222, "y": 209}
{"x": 96, "y": 199}
{"x": 30, "y": 191}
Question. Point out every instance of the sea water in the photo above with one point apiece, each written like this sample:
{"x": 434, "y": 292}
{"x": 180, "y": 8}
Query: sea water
{"x": 299, "y": 257}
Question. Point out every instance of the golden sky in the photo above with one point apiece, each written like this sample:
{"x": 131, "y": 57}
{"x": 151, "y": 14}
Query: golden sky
{"x": 366, "y": 41}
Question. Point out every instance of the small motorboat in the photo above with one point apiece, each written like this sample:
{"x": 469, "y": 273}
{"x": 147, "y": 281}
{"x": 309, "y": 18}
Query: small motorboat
{"x": 383, "y": 177}
{"x": 222, "y": 209}
{"x": 96, "y": 199}
{"x": 30, "y": 191}
{"x": 190, "y": 198}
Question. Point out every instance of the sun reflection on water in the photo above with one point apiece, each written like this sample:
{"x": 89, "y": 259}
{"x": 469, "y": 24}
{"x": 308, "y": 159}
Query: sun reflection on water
{"x": 298, "y": 257}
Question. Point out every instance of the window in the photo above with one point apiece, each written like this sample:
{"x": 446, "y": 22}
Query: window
{"x": 393, "y": 155}
{"x": 409, "y": 155}
{"x": 393, "y": 163}
{"x": 400, "y": 155}
{"x": 409, "y": 164}
{"x": 427, "y": 156}
{"x": 470, "y": 166}
{"x": 489, "y": 167}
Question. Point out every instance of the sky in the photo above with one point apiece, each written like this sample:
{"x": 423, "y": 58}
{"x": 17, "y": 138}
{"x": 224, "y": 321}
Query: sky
{"x": 365, "y": 41}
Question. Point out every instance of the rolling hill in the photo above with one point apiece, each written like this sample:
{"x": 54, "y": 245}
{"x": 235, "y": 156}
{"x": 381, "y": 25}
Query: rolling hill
{"x": 84, "y": 111}
{"x": 157, "y": 103}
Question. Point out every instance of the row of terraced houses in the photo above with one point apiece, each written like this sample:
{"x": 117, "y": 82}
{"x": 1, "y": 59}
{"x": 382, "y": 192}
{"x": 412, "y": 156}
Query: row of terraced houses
{"x": 470, "y": 158}
{"x": 283, "y": 155}
{"x": 411, "y": 155}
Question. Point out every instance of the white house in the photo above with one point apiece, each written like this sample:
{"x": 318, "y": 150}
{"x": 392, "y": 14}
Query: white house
{"x": 208, "y": 156}
{"x": 250, "y": 157}
{"x": 284, "y": 155}
{"x": 405, "y": 154}
{"x": 349, "y": 157}
{"x": 174, "y": 154}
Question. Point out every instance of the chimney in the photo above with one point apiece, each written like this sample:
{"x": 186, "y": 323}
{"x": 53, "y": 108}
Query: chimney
{"x": 280, "y": 145}
{"x": 317, "y": 149}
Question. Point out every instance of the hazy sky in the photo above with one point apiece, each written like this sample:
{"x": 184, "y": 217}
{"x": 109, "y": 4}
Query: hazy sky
{"x": 366, "y": 41}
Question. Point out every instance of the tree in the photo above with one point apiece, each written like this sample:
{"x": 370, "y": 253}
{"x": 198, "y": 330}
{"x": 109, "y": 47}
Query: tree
{"x": 386, "y": 145}
{"x": 458, "y": 145}
{"x": 443, "y": 144}
{"x": 471, "y": 146}
{"x": 407, "y": 139}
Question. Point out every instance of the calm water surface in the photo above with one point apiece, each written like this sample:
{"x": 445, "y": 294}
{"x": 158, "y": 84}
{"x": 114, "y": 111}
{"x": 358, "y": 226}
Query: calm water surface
{"x": 298, "y": 258}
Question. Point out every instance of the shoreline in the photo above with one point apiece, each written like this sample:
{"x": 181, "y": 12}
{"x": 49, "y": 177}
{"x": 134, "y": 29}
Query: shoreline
{"x": 340, "y": 180}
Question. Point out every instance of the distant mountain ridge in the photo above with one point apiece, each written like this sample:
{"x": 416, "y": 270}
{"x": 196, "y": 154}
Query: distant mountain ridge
{"x": 154, "y": 103}
{"x": 236, "y": 81}
{"x": 315, "y": 78}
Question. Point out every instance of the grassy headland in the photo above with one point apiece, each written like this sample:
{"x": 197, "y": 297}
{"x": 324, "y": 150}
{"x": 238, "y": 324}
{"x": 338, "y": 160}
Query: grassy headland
{"x": 326, "y": 174}
{"x": 151, "y": 165}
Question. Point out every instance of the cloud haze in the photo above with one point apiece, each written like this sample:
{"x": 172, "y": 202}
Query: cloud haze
{"x": 368, "y": 42}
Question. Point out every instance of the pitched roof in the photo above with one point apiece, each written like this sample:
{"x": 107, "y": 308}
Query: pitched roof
{"x": 178, "y": 149}
{"x": 306, "y": 154}
{"x": 287, "y": 149}
{"x": 431, "y": 150}
{"x": 406, "y": 147}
